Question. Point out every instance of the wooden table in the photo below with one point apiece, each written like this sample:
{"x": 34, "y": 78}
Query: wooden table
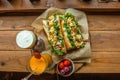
{"x": 104, "y": 31}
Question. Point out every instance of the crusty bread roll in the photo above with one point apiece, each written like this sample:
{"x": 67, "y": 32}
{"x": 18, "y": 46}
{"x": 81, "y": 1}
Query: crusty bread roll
{"x": 52, "y": 28}
{"x": 66, "y": 39}
{"x": 71, "y": 31}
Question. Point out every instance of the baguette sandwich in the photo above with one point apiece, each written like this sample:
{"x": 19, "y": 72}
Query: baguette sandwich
{"x": 71, "y": 31}
{"x": 63, "y": 33}
{"x": 52, "y": 27}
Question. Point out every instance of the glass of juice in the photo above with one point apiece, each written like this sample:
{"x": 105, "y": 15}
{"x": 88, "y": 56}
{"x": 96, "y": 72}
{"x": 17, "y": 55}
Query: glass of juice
{"x": 39, "y": 63}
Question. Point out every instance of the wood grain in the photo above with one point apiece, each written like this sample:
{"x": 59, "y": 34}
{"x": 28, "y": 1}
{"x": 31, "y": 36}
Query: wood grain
{"x": 105, "y": 40}
{"x": 102, "y": 62}
{"x": 96, "y": 22}
{"x": 100, "y": 40}
{"x": 8, "y": 40}
{"x": 16, "y": 22}
{"x": 93, "y": 4}
{"x": 28, "y": 6}
{"x": 14, "y": 60}
{"x": 104, "y": 22}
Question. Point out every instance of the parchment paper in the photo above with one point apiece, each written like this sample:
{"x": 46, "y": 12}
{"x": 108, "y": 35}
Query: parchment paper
{"x": 80, "y": 55}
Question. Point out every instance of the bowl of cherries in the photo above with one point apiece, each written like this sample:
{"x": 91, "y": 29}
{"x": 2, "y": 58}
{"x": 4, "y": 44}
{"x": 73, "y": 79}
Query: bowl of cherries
{"x": 65, "y": 67}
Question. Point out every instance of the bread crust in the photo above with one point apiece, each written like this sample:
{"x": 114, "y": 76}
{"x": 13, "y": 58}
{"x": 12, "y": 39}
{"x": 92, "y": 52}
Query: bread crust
{"x": 67, "y": 42}
{"x": 59, "y": 23}
{"x": 45, "y": 26}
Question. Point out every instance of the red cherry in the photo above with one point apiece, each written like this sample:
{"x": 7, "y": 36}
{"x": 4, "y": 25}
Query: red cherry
{"x": 67, "y": 62}
{"x": 37, "y": 55}
{"x": 61, "y": 65}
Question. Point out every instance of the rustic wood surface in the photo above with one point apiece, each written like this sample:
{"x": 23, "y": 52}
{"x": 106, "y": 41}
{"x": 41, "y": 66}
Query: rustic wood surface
{"x": 40, "y": 6}
{"x": 104, "y": 33}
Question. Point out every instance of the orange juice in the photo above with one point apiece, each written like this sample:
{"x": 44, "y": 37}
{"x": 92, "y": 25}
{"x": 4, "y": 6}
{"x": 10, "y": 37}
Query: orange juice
{"x": 38, "y": 66}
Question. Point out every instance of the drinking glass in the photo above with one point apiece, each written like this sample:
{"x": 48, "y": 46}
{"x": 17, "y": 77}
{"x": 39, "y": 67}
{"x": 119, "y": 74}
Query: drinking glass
{"x": 38, "y": 66}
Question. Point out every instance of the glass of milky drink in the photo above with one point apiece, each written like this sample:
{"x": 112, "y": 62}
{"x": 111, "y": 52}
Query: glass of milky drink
{"x": 28, "y": 40}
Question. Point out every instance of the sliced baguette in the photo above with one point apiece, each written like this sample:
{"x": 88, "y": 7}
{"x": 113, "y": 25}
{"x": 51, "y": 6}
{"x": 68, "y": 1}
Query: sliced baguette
{"x": 75, "y": 30}
{"x": 57, "y": 45}
{"x": 67, "y": 41}
{"x": 61, "y": 33}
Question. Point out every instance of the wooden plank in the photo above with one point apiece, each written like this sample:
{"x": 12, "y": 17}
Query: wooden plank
{"x": 8, "y": 40}
{"x": 14, "y": 60}
{"x": 105, "y": 40}
{"x": 100, "y": 40}
{"x": 104, "y": 22}
{"x": 93, "y": 4}
{"x": 16, "y": 22}
{"x": 96, "y": 22}
{"x": 102, "y": 62}
{"x": 27, "y": 6}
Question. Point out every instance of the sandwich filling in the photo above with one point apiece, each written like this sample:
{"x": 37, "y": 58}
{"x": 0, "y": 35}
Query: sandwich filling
{"x": 74, "y": 30}
{"x": 67, "y": 31}
{"x": 55, "y": 35}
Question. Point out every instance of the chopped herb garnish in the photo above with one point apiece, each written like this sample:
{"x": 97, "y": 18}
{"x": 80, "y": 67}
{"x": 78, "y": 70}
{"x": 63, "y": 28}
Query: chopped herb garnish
{"x": 82, "y": 45}
{"x": 59, "y": 37}
{"x": 59, "y": 52}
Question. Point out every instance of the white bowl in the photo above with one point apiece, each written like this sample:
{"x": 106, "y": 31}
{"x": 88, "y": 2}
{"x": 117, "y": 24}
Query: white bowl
{"x": 70, "y": 72}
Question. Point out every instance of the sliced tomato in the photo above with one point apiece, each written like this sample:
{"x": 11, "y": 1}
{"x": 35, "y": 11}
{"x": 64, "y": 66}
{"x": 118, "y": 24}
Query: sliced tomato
{"x": 66, "y": 62}
{"x": 61, "y": 65}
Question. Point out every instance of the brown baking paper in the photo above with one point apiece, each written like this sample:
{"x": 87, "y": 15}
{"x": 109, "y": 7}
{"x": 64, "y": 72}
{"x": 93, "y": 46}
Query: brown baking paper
{"x": 79, "y": 55}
